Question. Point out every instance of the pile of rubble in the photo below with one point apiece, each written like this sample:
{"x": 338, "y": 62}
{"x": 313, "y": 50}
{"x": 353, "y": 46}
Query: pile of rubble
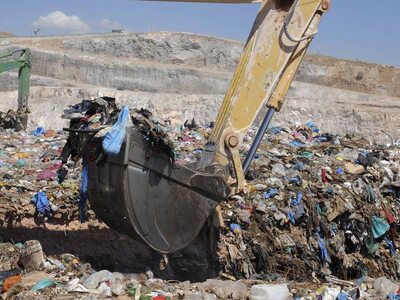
{"x": 318, "y": 219}
{"x": 318, "y": 206}
{"x": 26, "y": 273}
{"x": 30, "y": 166}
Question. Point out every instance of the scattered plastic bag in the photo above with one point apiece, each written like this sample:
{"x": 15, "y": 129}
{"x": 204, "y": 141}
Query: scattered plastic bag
{"x": 43, "y": 284}
{"x": 113, "y": 139}
{"x": 379, "y": 226}
{"x": 38, "y": 131}
{"x": 42, "y": 203}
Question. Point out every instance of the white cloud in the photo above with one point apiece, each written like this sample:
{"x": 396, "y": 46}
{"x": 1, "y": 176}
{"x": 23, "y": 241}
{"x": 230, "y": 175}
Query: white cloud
{"x": 59, "y": 22}
{"x": 107, "y": 24}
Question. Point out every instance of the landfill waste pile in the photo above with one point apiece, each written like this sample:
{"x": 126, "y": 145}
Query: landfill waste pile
{"x": 11, "y": 119}
{"x": 32, "y": 181}
{"x": 318, "y": 219}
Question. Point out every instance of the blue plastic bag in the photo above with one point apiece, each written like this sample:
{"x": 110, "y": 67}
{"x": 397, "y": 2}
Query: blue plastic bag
{"x": 42, "y": 203}
{"x": 291, "y": 217}
{"x": 113, "y": 140}
{"x": 296, "y": 201}
{"x": 299, "y": 166}
{"x": 271, "y": 193}
{"x": 339, "y": 171}
{"x": 235, "y": 228}
{"x": 42, "y": 284}
{"x": 379, "y": 227}
{"x": 342, "y": 296}
{"x": 297, "y": 144}
{"x": 297, "y": 209}
{"x": 38, "y": 131}
{"x": 295, "y": 180}
{"x": 83, "y": 194}
{"x": 276, "y": 130}
{"x": 312, "y": 126}
{"x": 325, "y": 257}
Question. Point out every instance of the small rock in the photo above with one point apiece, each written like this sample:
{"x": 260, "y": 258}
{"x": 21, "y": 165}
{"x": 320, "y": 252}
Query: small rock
{"x": 384, "y": 286}
{"x": 274, "y": 182}
{"x": 353, "y": 168}
{"x": 199, "y": 296}
{"x": 243, "y": 215}
{"x": 104, "y": 290}
{"x": 330, "y": 293}
{"x": 93, "y": 280}
{"x": 240, "y": 291}
{"x": 134, "y": 277}
{"x": 32, "y": 278}
{"x": 225, "y": 289}
{"x": 278, "y": 169}
{"x": 269, "y": 292}
{"x": 149, "y": 274}
{"x": 32, "y": 257}
{"x": 260, "y": 187}
{"x": 237, "y": 198}
{"x": 118, "y": 287}
{"x": 90, "y": 297}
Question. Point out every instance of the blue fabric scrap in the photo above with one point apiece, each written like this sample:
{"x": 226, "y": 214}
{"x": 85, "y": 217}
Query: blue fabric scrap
{"x": 330, "y": 190}
{"x": 342, "y": 296}
{"x": 271, "y": 193}
{"x": 83, "y": 194}
{"x": 291, "y": 217}
{"x": 297, "y": 209}
{"x": 312, "y": 126}
{"x": 297, "y": 144}
{"x": 299, "y": 166}
{"x": 42, "y": 204}
{"x": 323, "y": 251}
{"x": 391, "y": 246}
{"x": 320, "y": 138}
{"x": 296, "y": 201}
{"x": 339, "y": 171}
{"x": 276, "y": 130}
{"x": 295, "y": 180}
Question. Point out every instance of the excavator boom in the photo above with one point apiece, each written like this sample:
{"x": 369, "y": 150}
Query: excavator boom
{"x": 23, "y": 64}
{"x": 277, "y": 43}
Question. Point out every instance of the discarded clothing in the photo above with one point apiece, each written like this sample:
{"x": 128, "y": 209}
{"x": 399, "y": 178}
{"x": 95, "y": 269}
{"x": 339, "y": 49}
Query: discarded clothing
{"x": 84, "y": 194}
{"x": 323, "y": 251}
{"x": 42, "y": 203}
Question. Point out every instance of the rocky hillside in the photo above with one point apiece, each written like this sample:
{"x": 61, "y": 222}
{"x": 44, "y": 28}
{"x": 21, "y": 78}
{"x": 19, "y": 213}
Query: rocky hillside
{"x": 184, "y": 75}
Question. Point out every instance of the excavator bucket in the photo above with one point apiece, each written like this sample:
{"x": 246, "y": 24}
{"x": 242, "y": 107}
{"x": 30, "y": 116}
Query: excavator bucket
{"x": 144, "y": 195}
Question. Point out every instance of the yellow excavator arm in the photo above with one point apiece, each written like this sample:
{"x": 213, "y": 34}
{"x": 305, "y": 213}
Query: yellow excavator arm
{"x": 281, "y": 34}
{"x": 276, "y": 45}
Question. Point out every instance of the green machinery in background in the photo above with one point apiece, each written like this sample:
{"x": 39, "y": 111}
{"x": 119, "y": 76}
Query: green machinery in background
{"x": 10, "y": 61}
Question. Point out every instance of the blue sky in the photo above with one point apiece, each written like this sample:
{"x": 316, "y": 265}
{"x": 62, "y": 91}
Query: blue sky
{"x": 357, "y": 29}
